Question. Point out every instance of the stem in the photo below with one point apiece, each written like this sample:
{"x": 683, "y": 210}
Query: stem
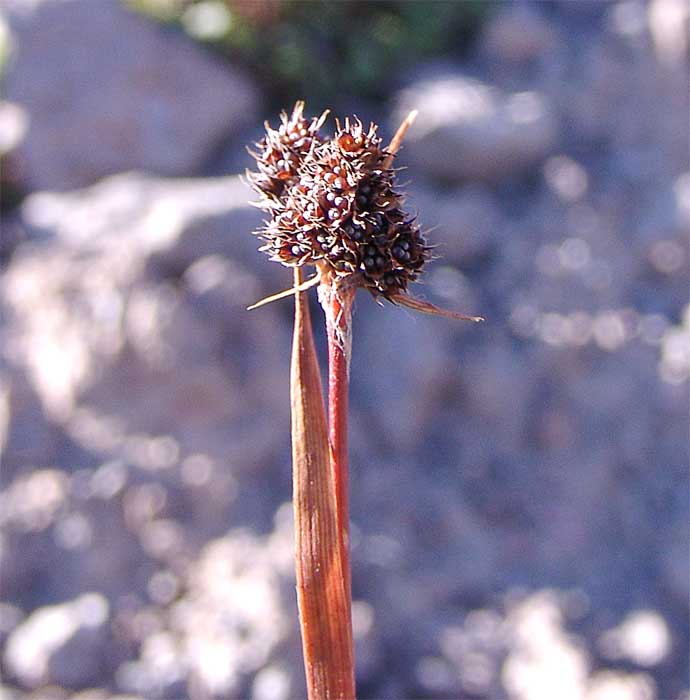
{"x": 322, "y": 583}
{"x": 339, "y": 330}
{"x": 320, "y": 482}
{"x": 336, "y": 300}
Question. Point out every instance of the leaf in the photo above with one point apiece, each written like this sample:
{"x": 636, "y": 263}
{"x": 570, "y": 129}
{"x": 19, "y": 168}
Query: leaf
{"x": 324, "y": 605}
{"x": 426, "y": 307}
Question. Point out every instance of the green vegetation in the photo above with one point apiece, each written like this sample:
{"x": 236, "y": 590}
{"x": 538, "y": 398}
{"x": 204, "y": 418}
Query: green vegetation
{"x": 319, "y": 49}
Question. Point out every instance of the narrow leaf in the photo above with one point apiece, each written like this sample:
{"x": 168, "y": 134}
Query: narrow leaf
{"x": 426, "y": 307}
{"x": 324, "y": 605}
{"x": 394, "y": 145}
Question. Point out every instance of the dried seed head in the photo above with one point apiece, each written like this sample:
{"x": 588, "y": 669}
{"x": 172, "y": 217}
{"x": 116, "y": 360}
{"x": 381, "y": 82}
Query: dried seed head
{"x": 282, "y": 150}
{"x": 333, "y": 204}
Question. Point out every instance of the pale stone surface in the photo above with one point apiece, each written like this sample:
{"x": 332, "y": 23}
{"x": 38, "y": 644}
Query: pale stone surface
{"x": 154, "y": 101}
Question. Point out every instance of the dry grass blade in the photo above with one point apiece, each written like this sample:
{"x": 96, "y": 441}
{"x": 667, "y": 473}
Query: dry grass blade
{"x": 311, "y": 282}
{"x": 396, "y": 141}
{"x": 426, "y": 307}
{"x": 322, "y": 596}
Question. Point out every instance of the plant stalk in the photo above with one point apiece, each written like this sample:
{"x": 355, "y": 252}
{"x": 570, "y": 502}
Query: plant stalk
{"x": 322, "y": 582}
{"x": 338, "y": 307}
{"x": 321, "y": 483}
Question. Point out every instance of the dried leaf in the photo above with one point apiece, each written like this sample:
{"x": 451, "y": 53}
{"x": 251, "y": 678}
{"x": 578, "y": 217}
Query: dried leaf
{"x": 324, "y": 605}
{"x": 396, "y": 141}
{"x": 311, "y": 282}
{"x": 426, "y": 307}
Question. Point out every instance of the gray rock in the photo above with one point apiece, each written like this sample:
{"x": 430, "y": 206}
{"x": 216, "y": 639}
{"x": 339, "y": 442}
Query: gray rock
{"x": 26, "y": 436}
{"x": 517, "y": 34}
{"x": 60, "y": 644}
{"x": 469, "y": 129}
{"x": 14, "y": 124}
{"x": 114, "y": 250}
{"x": 464, "y": 221}
{"x": 129, "y": 95}
{"x": 235, "y": 607}
{"x": 10, "y": 617}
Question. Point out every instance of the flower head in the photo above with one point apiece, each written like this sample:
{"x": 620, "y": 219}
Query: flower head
{"x": 332, "y": 204}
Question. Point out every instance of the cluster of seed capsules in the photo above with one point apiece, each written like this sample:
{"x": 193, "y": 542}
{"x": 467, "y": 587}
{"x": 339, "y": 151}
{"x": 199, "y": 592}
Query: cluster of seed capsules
{"x": 332, "y": 203}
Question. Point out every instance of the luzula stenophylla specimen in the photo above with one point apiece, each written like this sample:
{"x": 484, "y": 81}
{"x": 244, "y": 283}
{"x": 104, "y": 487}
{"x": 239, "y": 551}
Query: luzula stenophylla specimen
{"x": 333, "y": 205}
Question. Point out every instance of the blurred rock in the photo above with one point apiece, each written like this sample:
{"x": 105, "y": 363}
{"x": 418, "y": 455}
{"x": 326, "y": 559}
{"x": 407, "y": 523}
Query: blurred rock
{"x": 26, "y": 435}
{"x": 465, "y": 221}
{"x": 14, "y": 124}
{"x": 61, "y": 644}
{"x": 668, "y": 25}
{"x": 125, "y": 319}
{"x": 155, "y": 101}
{"x": 518, "y": 34}
{"x": 469, "y": 129}
{"x": 227, "y": 624}
{"x": 10, "y": 617}
{"x": 103, "y": 242}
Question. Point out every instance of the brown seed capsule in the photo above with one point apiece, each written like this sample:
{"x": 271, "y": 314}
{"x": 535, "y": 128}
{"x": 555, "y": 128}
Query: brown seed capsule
{"x": 332, "y": 203}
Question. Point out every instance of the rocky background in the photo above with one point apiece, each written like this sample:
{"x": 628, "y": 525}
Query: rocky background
{"x": 519, "y": 489}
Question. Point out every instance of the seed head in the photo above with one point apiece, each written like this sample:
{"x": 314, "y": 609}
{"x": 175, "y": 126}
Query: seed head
{"x": 333, "y": 204}
{"x": 282, "y": 150}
